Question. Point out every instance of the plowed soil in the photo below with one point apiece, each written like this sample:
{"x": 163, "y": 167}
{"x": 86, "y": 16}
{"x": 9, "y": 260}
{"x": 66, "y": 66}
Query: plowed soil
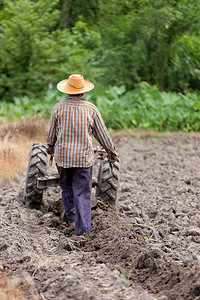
{"x": 148, "y": 248}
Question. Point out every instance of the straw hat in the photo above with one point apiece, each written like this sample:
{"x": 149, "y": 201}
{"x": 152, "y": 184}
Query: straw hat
{"x": 75, "y": 84}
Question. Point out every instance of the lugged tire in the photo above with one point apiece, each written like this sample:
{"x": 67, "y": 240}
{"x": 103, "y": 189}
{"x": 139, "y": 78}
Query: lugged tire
{"x": 108, "y": 182}
{"x": 36, "y": 168}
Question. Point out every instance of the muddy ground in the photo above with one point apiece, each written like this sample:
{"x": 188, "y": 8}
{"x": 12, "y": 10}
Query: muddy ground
{"x": 149, "y": 248}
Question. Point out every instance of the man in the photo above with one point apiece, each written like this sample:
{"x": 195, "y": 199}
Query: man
{"x": 73, "y": 123}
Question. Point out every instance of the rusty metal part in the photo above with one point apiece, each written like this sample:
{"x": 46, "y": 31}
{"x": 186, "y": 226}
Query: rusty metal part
{"x": 100, "y": 153}
{"x": 94, "y": 183}
{"x": 53, "y": 180}
{"x": 47, "y": 181}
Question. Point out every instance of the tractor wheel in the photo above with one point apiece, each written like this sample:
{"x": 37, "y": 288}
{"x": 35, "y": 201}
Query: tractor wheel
{"x": 108, "y": 182}
{"x": 36, "y": 168}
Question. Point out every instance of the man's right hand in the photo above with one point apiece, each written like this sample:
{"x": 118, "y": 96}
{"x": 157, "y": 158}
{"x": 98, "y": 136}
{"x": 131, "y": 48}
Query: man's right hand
{"x": 50, "y": 150}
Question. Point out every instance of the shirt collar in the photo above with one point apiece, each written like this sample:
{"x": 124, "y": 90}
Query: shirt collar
{"x": 74, "y": 98}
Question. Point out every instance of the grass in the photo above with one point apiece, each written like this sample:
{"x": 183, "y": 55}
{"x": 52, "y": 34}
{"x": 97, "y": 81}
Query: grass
{"x": 16, "y": 139}
{"x": 127, "y": 290}
{"x": 11, "y": 159}
{"x": 152, "y": 153}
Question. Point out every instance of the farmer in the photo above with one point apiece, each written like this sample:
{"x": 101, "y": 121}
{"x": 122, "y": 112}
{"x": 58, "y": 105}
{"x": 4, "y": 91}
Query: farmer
{"x": 72, "y": 125}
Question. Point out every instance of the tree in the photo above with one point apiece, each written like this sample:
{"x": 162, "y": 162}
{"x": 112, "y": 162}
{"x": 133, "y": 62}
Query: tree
{"x": 26, "y": 56}
{"x": 144, "y": 40}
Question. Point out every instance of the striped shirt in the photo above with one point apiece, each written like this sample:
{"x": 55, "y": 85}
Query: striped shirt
{"x": 72, "y": 125}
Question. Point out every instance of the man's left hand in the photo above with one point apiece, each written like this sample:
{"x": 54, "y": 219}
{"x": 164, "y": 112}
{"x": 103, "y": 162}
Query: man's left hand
{"x": 112, "y": 157}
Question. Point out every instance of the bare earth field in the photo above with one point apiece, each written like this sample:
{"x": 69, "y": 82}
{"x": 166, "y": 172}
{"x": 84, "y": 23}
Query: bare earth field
{"x": 149, "y": 248}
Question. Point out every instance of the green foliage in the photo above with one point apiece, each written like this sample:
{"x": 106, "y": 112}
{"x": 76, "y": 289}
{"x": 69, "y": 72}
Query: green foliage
{"x": 36, "y": 53}
{"x": 27, "y": 52}
{"x": 142, "y": 108}
{"x": 147, "y": 108}
{"x": 153, "y": 41}
{"x": 112, "y": 43}
{"x": 76, "y": 10}
{"x": 27, "y": 107}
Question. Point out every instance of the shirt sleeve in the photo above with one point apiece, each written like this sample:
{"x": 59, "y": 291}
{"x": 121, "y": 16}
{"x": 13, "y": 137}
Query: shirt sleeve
{"x": 51, "y": 131}
{"x": 102, "y": 135}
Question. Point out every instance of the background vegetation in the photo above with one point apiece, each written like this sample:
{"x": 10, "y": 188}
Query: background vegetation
{"x": 142, "y": 55}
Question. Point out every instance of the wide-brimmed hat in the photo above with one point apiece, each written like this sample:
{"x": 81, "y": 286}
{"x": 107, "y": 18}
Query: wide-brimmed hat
{"x": 75, "y": 84}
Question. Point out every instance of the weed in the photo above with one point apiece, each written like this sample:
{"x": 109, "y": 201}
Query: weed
{"x": 179, "y": 190}
{"x": 176, "y": 233}
{"x": 127, "y": 290}
{"x": 152, "y": 153}
{"x": 129, "y": 226}
{"x": 146, "y": 239}
{"x": 138, "y": 141}
{"x": 20, "y": 171}
{"x": 123, "y": 154}
{"x": 195, "y": 153}
{"x": 185, "y": 147}
{"x": 25, "y": 212}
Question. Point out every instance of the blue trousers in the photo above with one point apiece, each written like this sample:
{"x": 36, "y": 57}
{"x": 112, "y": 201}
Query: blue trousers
{"x": 76, "y": 185}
